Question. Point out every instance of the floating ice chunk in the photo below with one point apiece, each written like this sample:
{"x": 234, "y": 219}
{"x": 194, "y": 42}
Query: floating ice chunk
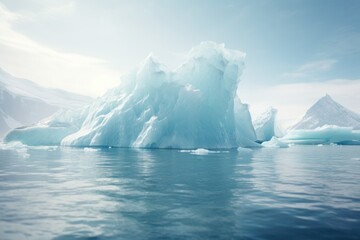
{"x": 91, "y": 149}
{"x": 275, "y": 143}
{"x": 18, "y": 147}
{"x": 244, "y": 150}
{"x": 201, "y": 151}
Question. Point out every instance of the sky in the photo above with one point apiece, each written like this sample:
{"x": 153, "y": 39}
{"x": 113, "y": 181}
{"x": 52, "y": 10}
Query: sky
{"x": 296, "y": 51}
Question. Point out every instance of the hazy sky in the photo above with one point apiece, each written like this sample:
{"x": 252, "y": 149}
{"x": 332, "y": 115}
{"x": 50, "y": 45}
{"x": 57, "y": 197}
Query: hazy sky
{"x": 296, "y": 50}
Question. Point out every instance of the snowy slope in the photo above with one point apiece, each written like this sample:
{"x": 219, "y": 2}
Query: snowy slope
{"x": 23, "y": 102}
{"x": 326, "y": 122}
{"x": 265, "y": 125}
{"x": 193, "y": 106}
{"x": 328, "y": 112}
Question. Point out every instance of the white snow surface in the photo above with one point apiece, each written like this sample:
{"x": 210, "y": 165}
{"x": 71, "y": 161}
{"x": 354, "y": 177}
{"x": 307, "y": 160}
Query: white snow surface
{"x": 194, "y": 106}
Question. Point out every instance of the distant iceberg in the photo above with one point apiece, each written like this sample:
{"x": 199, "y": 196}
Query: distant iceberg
{"x": 265, "y": 125}
{"x": 324, "y": 135}
{"x": 326, "y": 122}
{"x": 194, "y": 106}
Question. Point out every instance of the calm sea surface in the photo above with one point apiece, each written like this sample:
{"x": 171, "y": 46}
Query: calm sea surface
{"x": 302, "y": 192}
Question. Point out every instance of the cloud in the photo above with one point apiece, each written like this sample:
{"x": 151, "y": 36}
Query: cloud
{"x": 310, "y": 68}
{"x": 6, "y": 16}
{"x": 65, "y": 8}
{"x": 52, "y": 8}
{"x": 24, "y": 57}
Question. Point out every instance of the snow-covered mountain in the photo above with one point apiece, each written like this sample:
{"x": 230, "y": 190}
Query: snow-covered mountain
{"x": 264, "y": 125}
{"x": 326, "y": 111}
{"x": 23, "y": 102}
{"x": 193, "y": 106}
{"x": 326, "y": 122}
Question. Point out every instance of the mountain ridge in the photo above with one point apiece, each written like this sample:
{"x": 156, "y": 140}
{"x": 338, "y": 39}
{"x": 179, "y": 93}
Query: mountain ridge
{"x": 326, "y": 111}
{"x": 24, "y": 102}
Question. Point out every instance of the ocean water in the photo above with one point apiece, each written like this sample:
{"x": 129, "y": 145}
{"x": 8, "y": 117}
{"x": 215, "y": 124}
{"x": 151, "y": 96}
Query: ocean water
{"x": 302, "y": 192}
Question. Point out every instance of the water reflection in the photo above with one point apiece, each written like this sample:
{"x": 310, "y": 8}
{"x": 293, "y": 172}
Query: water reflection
{"x": 138, "y": 194}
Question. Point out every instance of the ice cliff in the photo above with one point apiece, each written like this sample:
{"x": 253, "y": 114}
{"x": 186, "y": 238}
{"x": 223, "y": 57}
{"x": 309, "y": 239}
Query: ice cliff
{"x": 193, "y": 106}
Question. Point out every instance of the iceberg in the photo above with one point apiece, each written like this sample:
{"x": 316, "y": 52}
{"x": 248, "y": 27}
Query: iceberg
{"x": 265, "y": 125}
{"x": 194, "y": 106}
{"x": 326, "y": 122}
{"x": 324, "y": 135}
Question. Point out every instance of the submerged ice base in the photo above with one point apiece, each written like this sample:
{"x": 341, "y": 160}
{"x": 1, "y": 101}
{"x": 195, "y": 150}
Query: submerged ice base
{"x": 194, "y": 106}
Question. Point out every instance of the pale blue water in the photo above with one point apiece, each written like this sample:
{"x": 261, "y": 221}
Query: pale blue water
{"x": 303, "y": 192}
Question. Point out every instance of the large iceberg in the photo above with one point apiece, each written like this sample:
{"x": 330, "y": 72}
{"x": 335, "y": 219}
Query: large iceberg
{"x": 265, "y": 125}
{"x": 193, "y": 106}
{"x": 326, "y": 122}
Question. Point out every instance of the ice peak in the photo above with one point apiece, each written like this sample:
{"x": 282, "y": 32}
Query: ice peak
{"x": 272, "y": 110}
{"x": 327, "y": 98}
{"x": 151, "y": 59}
{"x": 209, "y": 50}
{"x": 150, "y": 62}
{"x": 325, "y": 102}
{"x": 326, "y": 111}
{"x": 150, "y": 72}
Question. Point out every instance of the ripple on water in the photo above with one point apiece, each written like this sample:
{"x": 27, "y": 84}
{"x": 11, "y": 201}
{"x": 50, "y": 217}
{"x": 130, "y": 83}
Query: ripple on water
{"x": 295, "y": 193}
